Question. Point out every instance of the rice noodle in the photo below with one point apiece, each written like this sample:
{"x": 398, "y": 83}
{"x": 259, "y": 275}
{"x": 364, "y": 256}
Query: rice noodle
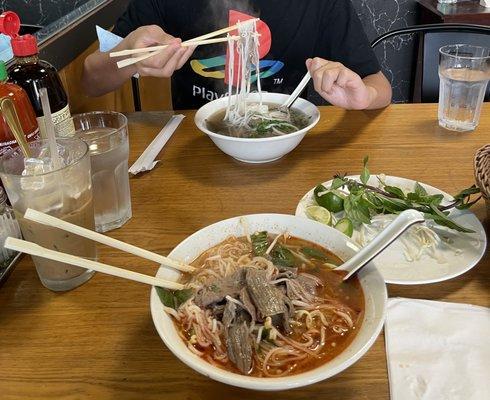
{"x": 242, "y": 70}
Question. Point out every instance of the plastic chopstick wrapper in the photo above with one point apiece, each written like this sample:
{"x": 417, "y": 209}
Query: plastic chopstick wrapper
{"x": 146, "y": 162}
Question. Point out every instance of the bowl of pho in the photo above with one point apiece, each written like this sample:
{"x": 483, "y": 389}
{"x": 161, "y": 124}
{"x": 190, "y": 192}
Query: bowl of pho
{"x": 265, "y": 308}
{"x": 250, "y": 125}
{"x": 265, "y": 132}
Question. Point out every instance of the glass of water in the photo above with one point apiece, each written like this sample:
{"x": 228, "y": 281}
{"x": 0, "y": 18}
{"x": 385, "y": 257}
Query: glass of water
{"x": 106, "y": 134}
{"x": 464, "y": 71}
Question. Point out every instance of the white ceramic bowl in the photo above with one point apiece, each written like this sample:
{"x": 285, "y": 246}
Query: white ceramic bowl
{"x": 260, "y": 150}
{"x": 371, "y": 280}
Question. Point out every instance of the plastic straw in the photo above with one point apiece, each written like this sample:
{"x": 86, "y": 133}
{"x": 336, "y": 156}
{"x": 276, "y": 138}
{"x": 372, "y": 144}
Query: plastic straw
{"x": 48, "y": 123}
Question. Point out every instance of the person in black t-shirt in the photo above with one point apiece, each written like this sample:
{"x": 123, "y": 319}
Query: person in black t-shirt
{"x": 324, "y": 36}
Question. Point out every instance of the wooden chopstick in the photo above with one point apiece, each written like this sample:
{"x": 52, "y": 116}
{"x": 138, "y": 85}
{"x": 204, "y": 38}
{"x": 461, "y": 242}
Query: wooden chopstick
{"x": 38, "y": 251}
{"x": 164, "y": 46}
{"x": 192, "y": 42}
{"x": 133, "y": 60}
{"x": 49, "y": 220}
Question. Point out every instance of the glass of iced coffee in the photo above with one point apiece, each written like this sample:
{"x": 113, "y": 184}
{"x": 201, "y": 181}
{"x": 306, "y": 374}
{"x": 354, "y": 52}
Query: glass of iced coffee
{"x": 63, "y": 190}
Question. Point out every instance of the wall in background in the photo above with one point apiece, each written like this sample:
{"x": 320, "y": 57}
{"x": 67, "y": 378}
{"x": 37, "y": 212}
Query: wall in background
{"x": 396, "y": 55}
{"x": 40, "y": 12}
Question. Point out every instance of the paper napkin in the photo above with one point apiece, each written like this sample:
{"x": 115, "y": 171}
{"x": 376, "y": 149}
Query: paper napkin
{"x": 107, "y": 39}
{"x": 437, "y": 350}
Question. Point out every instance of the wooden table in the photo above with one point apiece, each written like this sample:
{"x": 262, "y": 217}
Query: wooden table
{"x": 98, "y": 341}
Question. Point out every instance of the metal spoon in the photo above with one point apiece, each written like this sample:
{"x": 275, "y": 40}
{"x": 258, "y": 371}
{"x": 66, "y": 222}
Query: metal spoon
{"x": 291, "y": 99}
{"x": 10, "y": 114}
{"x": 399, "y": 225}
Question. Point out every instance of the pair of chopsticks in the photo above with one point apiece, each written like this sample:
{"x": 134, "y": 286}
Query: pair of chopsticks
{"x": 197, "y": 41}
{"x": 39, "y": 251}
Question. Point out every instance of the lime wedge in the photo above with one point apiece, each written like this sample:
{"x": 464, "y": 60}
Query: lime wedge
{"x": 345, "y": 226}
{"x": 319, "y": 214}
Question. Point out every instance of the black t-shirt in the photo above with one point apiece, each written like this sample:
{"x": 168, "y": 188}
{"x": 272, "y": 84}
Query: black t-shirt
{"x": 300, "y": 29}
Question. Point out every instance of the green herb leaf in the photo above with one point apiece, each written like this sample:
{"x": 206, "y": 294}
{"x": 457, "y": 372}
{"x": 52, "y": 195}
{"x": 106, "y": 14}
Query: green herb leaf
{"x": 166, "y": 296}
{"x": 465, "y": 206}
{"x": 373, "y": 202}
{"x": 395, "y": 191}
{"x": 467, "y": 192}
{"x": 282, "y": 257}
{"x": 356, "y": 211}
{"x": 181, "y": 296}
{"x": 365, "y": 175}
{"x": 313, "y": 253}
{"x": 434, "y": 199}
{"x": 444, "y": 221}
{"x": 442, "y": 218}
{"x": 420, "y": 190}
{"x": 174, "y": 298}
{"x": 260, "y": 242}
{"x": 337, "y": 183}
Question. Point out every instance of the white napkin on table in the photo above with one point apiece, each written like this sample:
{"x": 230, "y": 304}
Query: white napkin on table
{"x": 437, "y": 350}
{"x": 146, "y": 161}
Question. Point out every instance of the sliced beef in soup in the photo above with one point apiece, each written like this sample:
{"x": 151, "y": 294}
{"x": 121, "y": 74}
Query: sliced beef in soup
{"x": 219, "y": 289}
{"x": 237, "y": 333}
{"x": 268, "y": 300}
{"x": 239, "y": 346}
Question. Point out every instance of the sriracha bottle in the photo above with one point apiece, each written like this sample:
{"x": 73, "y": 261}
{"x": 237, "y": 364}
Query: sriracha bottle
{"x": 24, "y": 109}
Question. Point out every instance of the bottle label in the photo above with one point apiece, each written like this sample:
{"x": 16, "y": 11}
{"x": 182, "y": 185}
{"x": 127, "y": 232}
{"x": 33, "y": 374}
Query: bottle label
{"x": 63, "y": 123}
{"x": 10, "y": 144}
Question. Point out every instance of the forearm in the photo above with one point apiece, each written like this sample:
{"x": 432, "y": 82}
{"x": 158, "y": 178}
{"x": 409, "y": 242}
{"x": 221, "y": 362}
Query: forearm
{"x": 101, "y": 74}
{"x": 379, "y": 91}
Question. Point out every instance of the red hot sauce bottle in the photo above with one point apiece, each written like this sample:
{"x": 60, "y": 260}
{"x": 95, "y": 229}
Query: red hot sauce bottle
{"x": 24, "y": 109}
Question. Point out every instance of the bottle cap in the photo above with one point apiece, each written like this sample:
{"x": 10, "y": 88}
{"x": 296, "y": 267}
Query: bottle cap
{"x": 25, "y": 45}
{"x": 3, "y": 71}
{"x": 10, "y": 23}
{"x": 22, "y": 46}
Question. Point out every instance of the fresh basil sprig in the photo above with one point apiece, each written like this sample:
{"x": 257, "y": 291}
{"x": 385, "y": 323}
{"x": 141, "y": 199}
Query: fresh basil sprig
{"x": 365, "y": 201}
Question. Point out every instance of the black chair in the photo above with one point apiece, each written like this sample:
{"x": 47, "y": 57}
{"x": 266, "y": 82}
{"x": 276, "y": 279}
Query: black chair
{"x": 431, "y": 38}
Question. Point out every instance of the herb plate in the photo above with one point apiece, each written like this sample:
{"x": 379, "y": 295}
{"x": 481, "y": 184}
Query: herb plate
{"x": 464, "y": 252}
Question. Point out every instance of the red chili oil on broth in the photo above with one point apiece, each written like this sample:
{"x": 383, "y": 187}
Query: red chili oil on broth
{"x": 342, "y": 302}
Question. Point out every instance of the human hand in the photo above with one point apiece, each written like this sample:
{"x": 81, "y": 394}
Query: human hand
{"x": 339, "y": 85}
{"x": 164, "y": 63}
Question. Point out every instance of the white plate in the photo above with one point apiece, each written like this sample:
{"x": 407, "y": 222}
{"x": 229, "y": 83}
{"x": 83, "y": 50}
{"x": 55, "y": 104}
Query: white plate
{"x": 392, "y": 263}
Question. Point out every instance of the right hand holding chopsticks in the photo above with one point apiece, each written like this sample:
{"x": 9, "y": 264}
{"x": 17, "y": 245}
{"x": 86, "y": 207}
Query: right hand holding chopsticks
{"x": 164, "y": 63}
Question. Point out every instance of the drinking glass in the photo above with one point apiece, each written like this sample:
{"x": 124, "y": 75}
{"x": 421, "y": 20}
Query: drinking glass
{"x": 64, "y": 192}
{"x": 106, "y": 134}
{"x": 464, "y": 71}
